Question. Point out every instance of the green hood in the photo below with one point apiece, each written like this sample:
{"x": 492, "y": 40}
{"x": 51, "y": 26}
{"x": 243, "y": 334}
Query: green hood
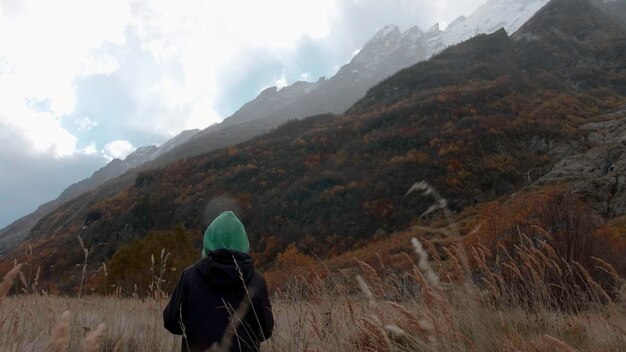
{"x": 225, "y": 232}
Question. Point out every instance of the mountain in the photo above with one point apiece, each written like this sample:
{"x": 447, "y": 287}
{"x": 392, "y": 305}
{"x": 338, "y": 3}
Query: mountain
{"x": 613, "y": 8}
{"x": 19, "y": 229}
{"x": 389, "y": 51}
{"x": 481, "y": 120}
{"x": 270, "y": 100}
{"x": 386, "y": 53}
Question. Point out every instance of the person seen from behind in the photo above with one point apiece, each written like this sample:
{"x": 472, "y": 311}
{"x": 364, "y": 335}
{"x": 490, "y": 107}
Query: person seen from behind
{"x": 221, "y": 299}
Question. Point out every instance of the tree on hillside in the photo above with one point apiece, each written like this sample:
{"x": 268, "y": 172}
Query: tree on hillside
{"x": 152, "y": 264}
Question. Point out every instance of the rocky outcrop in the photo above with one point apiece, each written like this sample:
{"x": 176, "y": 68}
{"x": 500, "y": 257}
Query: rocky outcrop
{"x": 598, "y": 173}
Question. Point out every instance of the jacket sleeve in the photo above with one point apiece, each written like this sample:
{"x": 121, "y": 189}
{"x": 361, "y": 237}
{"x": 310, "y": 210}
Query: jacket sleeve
{"x": 172, "y": 312}
{"x": 266, "y": 317}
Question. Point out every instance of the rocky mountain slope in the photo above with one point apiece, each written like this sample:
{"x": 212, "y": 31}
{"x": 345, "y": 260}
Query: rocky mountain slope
{"x": 598, "y": 172}
{"x": 474, "y": 121}
{"x": 389, "y": 51}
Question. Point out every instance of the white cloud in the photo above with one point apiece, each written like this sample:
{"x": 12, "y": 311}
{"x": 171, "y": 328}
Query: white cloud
{"x": 28, "y": 178}
{"x": 12, "y": 8}
{"x": 118, "y": 149}
{"x": 206, "y": 37}
{"x": 281, "y": 82}
{"x": 44, "y": 47}
{"x": 85, "y": 123}
{"x": 41, "y": 129}
{"x": 5, "y": 68}
{"x": 89, "y": 150}
{"x": 98, "y": 63}
{"x": 47, "y": 44}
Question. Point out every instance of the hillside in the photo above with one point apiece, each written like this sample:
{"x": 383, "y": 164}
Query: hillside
{"x": 479, "y": 121}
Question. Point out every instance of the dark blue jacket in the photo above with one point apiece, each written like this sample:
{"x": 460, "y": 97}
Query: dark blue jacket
{"x": 212, "y": 296}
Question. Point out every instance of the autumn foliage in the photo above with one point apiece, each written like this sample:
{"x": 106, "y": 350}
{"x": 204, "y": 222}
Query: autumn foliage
{"x": 561, "y": 219}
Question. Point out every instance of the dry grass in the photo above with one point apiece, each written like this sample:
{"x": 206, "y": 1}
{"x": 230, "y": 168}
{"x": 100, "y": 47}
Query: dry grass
{"x": 407, "y": 311}
{"x": 36, "y": 323}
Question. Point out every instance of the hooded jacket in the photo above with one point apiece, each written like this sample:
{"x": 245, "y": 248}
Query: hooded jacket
{"x": 219, "y": 292}
{"x": 212, "y": 291}
{"x": 226, "y": 231}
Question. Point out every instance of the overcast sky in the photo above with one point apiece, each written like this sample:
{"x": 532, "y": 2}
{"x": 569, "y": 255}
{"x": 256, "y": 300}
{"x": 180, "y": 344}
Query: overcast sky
{"x": 82, "y": 82}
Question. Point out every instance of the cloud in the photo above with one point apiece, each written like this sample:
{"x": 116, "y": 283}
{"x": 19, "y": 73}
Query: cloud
{"x": 85, "y": 124}
{"x": 40, "y": 129}
{"x": 98, "y": 63}
{"x": 12, "y": 8}
{"x": 44, "y": 47}
{"x": 281, "y": 82}
{"x": 89, "y": 149}
{"x": 118, "y": 149}
{"x": 144, "y": 99}
{"x": 29, "y": 179}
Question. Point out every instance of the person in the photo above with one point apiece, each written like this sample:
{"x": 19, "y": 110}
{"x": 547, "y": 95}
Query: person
{"x": 221, "y": 300}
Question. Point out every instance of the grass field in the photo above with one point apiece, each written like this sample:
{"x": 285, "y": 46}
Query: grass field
{"x": 427, "y": 306}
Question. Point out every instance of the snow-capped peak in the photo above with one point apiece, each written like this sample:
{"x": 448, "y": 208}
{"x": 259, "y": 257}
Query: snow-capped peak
{"x": 491, "y": 16}
{"x": 433, "y": 29}
{"x": 385, "y": 34}
{"x": 412, "y": 33}
{"x": 385, "y": 31}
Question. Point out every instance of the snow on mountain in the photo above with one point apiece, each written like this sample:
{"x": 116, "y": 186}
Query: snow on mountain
{"x": 148, "y": 153}
{"x": 391, "y": 50}
{"x": 140, "y": 156}
{"x": 491, "y": 16}
{"x": 419, "y": 45}
{"x": 180, "y": 138}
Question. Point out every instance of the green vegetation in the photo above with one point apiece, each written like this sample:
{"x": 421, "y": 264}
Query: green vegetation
{"x": 166, "y": 253}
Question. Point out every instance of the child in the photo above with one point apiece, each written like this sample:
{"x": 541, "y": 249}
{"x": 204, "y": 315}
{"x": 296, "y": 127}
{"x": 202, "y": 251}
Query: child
{"x": 221, "y": 299}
